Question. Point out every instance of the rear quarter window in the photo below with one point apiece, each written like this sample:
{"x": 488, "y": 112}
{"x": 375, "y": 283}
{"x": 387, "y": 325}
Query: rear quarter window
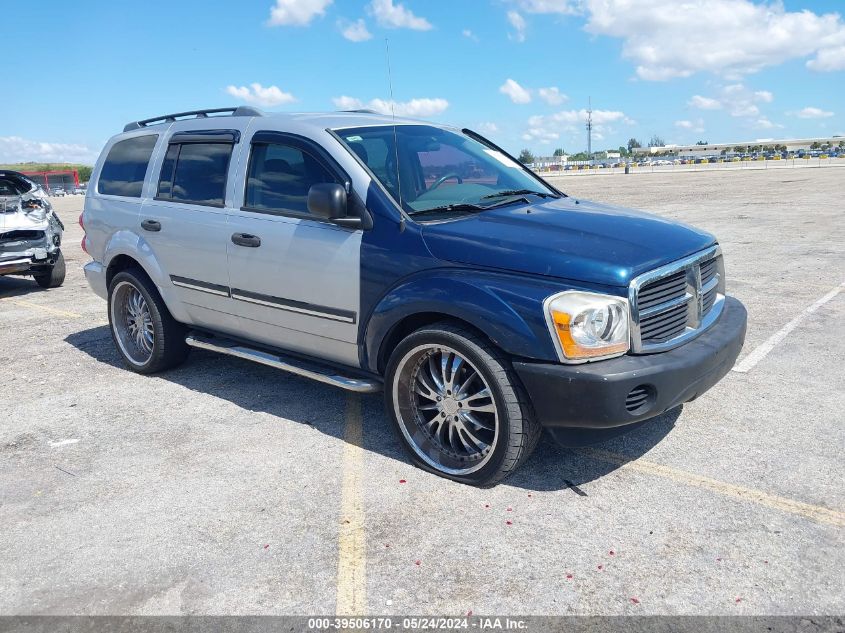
{"x": 126, "y": 166}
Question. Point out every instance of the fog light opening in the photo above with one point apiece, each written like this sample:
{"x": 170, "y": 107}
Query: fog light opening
{"x": 640, "y": 399}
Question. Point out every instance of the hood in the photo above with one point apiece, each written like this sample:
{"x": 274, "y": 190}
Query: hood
{"x": 580, "y": 241}
{"x": 13, "y": 218}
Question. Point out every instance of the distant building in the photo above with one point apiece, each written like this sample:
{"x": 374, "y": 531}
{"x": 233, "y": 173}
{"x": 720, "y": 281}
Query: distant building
{"x": 65, "y": 179}
{"x": 715, "y": 149}
{"x": 550, "y": 163}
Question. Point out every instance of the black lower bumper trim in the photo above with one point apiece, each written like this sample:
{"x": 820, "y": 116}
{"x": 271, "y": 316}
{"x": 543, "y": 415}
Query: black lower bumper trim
{"x": 593, "y": 395}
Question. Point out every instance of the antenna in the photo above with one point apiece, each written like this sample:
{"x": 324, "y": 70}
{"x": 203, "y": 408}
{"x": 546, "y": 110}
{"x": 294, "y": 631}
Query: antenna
{"x": 393, "y": 115}
{"x": 590, "y": 129}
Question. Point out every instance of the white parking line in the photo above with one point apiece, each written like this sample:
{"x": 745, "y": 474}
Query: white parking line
{"x": 763, "y": 350}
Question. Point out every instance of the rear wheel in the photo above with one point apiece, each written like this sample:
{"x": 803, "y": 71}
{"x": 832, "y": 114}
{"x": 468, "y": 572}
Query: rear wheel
{"x": 148, "y": 338}
{"x": 55, "y": 277}
{"x": 458, "y": 407}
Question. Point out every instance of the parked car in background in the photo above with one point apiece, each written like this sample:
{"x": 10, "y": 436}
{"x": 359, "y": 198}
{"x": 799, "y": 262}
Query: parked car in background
{"x": 58, "y": 192}
{"x": 30, "y": 232}
{"x": 485, "y": 308}
{"x": 78, "y": 191}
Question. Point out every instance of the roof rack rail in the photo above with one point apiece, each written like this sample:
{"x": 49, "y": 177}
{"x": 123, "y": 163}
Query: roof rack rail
{"x": 360, "y": 111}
{"x": 197, "y": 114}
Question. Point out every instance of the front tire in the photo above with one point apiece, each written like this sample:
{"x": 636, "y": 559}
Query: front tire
{"x": 55, "y": 277}
{"x": 458, "y": 407}
{"x": 148, "y": 338}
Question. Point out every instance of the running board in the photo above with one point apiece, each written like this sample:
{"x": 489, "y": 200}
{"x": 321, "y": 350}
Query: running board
{"x": 298, "y": 366}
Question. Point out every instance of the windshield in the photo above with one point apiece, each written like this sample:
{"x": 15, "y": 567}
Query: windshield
{"x": 440, "y": 170}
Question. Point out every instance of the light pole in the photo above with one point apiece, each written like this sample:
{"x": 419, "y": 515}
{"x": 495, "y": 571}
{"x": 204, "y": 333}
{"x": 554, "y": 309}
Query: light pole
{"x": 590, "y": 130}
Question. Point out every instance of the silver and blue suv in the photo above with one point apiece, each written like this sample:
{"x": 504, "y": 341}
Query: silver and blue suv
{"x": 372, "y": 253}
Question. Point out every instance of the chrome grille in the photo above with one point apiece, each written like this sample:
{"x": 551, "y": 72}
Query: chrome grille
{"x": 708, "y": 270}
{"x": 674, "y": 303}
{"x": 662, "y": 291}
{"x": 708, "y": 300}
{"x": 664, "y": 326}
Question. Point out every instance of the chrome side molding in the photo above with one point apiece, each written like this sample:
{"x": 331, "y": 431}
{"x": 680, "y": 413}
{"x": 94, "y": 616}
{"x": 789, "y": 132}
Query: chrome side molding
{"x": 300, "y": 367}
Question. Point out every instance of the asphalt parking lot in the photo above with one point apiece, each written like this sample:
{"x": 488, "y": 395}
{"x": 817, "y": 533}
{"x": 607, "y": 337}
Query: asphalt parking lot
{"x": 225, "y": 487}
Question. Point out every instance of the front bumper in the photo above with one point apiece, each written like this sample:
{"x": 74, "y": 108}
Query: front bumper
{"x": 39, "y": 263}
{"x": 594, "y": 395}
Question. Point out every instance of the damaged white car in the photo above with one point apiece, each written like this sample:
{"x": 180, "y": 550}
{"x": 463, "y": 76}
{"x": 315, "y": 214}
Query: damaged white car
{"x": 30, "y": 232}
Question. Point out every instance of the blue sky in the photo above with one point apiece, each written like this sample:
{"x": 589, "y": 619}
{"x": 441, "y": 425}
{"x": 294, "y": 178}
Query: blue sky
{"x": 521, "y": 71}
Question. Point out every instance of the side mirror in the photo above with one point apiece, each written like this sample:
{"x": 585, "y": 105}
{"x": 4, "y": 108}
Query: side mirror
{"x": 327, "y": 200}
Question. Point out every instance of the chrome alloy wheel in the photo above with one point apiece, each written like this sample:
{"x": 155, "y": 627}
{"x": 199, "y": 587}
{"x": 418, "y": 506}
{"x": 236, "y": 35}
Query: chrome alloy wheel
{"x": 445, "y": 409}
{"x": 132, "y": 323}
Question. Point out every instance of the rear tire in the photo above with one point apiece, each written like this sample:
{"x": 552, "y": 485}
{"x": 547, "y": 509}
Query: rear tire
{"x": 458, "y": 407}
{"x": 147, "y": 337}
{"x": 56, "y": 276}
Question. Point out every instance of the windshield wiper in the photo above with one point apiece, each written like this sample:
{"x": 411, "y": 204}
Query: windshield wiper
{"x": 458, "y": 206}
{"x": 519, "y": 192}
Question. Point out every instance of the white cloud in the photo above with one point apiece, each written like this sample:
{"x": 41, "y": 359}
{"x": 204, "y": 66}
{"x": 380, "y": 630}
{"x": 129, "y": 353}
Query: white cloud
{"x": 763, "y": 123}
{"x": 424, "y": 107}
{"x": 552, "y": 96}
{"x": 518, "y": 24}
{"x": 488, "y": 128}
{"x": 396, "y": 16}
{"x": 737, "y": 99}
{"x": 600, "y": 117}
{"x": 813, "y": 113}
{"x": 704, "y": 103}
{"x": 348, "y": 103}
{"x": 828, "y": 60}
{"x": 14, "y": 149}
{"x": 515, "y": 92}
{"x": 745, "y": 109}
{"x": 548, "y": 6}
{"x": 727, "y": 37}
{"x": 256, "y": 94}
{"x": 545, "y": 128}
{"x": 297, "y": 12}
{"x": 355, "y": 31}
{"x": 467, "y": 33}
{"x": 540, "y": 134}
{"x": 692, "y": 126}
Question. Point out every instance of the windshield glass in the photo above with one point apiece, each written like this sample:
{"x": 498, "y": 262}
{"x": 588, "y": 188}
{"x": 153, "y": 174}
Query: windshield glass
{"x": 440, "y": 170}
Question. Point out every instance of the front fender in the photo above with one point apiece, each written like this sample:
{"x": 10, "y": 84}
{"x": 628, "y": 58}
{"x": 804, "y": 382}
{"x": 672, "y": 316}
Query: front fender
{"x": 508, "y": 309}
{"x": 125, "y": 242}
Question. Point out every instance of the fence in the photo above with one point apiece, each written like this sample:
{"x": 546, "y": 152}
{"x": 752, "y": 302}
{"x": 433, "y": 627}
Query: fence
{"x": 719, "y": 165}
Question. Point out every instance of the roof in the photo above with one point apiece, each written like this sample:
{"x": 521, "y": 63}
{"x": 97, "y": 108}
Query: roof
{"x": 323, "y": 120}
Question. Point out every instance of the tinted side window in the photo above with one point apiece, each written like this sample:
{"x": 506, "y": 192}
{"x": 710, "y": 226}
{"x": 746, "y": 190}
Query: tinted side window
{"x": 7, "y": 188}
{"x": 280, "y": 177}
{"x": 125, "y": 167}
{"x": 196, "y": 173}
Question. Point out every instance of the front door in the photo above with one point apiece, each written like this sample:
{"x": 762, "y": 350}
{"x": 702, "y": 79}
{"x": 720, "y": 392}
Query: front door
{"x": 295, "y": 279}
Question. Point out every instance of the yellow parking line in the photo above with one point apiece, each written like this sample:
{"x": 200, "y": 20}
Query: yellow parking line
{"x": 27, "y": 304}
{"x": 806, "y": 510}
{"x": 351, "y": 563}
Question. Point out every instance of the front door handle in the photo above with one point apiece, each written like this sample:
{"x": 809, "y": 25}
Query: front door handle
{"x": 151, "y": 225}
{"x": 245, "y": 239}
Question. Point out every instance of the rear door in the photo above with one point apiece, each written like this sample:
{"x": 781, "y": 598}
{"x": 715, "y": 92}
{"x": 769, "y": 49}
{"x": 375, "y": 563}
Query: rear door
{"x": 185, "y": 222}
{"x": 295, "y": 278}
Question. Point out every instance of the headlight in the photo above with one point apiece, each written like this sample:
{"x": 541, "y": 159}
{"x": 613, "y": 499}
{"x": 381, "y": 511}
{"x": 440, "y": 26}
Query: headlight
{"x": 587, "y": 325}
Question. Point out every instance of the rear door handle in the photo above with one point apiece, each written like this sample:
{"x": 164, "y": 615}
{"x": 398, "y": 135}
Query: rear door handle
{"x": 151, "y": 225}
{"x": 245, "y": 239}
